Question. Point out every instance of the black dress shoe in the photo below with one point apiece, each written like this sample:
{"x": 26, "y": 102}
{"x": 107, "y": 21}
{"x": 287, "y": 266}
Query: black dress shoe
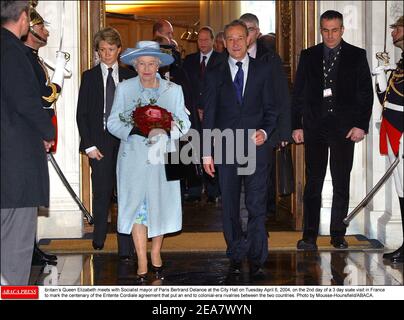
{"x": 97, "y": 246}
{"x": 141, "y": 278}
{"x": 398, "y": 257}
{"x": 256, "y": 272}
{"x": 41, "y": 260}
{"x": 212, "y": 200}
{"x": 307, "y": 245}
{"x": 125, "y": 258}
{"x": 339, "y": 242}
{"x": 38, "y": 261}
{"x": 193, "y": 199}
{"x": 158, "y": 272}
{"x": 391, "y": 254}
{"x": 235, "y": 267}
{"x": 42, "y": 255}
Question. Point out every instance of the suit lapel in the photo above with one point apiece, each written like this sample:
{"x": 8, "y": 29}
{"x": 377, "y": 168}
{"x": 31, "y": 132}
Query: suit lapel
{"x": 211, "y": 61}
{"x": 342, "y": 63}
{"x": 316, "y": 68}
{"x": 228, "y": 81}
{"x": 250, "y": 78}
{"x": 99, "y": 83}
{"x": 318, "y": 62}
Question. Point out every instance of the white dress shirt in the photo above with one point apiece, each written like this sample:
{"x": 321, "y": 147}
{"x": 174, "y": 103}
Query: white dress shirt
{"x": 252, "y": 51}
{"x": 207, "y": 57}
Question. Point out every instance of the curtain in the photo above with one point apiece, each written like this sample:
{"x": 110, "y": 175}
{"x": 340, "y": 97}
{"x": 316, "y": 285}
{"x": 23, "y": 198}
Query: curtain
{"x": 218, "y": 13}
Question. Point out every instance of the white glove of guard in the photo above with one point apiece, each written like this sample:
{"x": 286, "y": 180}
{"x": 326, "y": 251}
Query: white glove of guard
{"x": 58, "y": 75}
{"x": 381, "y": 79}
{"x": 50, "y": 65}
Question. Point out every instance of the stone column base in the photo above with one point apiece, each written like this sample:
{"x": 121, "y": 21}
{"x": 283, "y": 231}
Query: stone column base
{"x": 60, "y": 224}
{"x": 389, "y": 230}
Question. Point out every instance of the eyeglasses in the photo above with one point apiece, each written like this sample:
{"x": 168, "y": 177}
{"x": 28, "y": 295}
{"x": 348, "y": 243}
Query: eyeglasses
{"x": 145, "y": 65}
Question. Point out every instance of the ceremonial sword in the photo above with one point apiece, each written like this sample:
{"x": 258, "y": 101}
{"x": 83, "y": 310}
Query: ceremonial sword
{"x": 51, "y": 158}
{"x": 70, "y": 189}
{"x": 372, "y": 192}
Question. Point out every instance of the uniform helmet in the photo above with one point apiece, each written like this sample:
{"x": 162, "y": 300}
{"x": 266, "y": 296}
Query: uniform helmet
{"x": 35, "y": 19}
{"x": 398, "y": 23}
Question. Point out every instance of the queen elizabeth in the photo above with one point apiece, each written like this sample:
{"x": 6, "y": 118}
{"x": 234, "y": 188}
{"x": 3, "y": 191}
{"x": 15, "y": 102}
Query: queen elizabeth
{"x": 149, "y": 206}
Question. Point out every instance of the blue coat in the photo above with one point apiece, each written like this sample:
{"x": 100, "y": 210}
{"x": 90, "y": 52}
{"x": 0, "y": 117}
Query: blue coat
{"x": 139, "y": 174}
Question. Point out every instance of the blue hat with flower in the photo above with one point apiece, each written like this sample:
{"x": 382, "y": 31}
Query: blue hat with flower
{"x": 146, "y": 48}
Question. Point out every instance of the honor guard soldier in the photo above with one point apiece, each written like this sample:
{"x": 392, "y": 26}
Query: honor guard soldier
{"x": 50, "y": 89}
{"x": 390, "y": 94}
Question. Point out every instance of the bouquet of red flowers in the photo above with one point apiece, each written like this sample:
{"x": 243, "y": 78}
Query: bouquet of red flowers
{"x": 149, "y": 117}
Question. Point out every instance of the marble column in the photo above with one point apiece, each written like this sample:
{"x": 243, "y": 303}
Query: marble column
{"x": 383, "y": 219}
{"x": 63, "y": 219}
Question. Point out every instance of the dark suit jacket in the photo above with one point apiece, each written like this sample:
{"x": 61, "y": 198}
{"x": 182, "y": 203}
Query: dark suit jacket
{"x": 262, "y": 50}
{"x": 90, "y": 107}
{"x": 24, "y": 126}
{"x": 257, "y": 110}
{"x": 283, "y": 131}
{"x": 191, "y": 65}
{"x": 354, "y": 92}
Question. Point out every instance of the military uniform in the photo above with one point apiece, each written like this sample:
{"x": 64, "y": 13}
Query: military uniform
{"x": 391, "y": 132}
{"x": 49, "y": 93}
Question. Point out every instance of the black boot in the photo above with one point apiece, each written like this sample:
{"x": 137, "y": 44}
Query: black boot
{"x": 46, "y": 256}
{"x": 40, "y": 258}
{"x": 398, "y": 255}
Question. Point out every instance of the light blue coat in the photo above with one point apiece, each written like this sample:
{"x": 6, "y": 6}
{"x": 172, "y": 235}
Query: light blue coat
{"x": 139, "y": 177}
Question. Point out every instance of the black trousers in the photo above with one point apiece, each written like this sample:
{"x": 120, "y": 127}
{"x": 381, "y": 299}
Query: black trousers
{"x": 103, "y": 178}
{"x": 255, "y": 245}
{"x": 327, "y": 139}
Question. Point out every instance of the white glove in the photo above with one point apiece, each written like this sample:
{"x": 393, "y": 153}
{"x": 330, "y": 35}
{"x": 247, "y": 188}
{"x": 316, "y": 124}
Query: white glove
{"x": 381, "y": 78}
{"x": 383, "y": 68}
{"x": 58, "y": 75}
{"x": 50, "y": 65}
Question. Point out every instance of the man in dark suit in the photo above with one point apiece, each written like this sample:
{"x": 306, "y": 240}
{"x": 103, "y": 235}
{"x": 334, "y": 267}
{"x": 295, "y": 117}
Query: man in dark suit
{"x": 27, "y": 134}
{"x": 256, "y": 48}
{"x": 331, "y": 109}
{"x": 94, "y": 105}
{"x": 238, "y": 98}
{"x": 282, "y": 134}
{"x": 196, "y": 65}
{"x": 163, "y": 28}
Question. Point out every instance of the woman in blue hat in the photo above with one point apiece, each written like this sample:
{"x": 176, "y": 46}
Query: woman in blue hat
{"x": 149, "y": 206}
